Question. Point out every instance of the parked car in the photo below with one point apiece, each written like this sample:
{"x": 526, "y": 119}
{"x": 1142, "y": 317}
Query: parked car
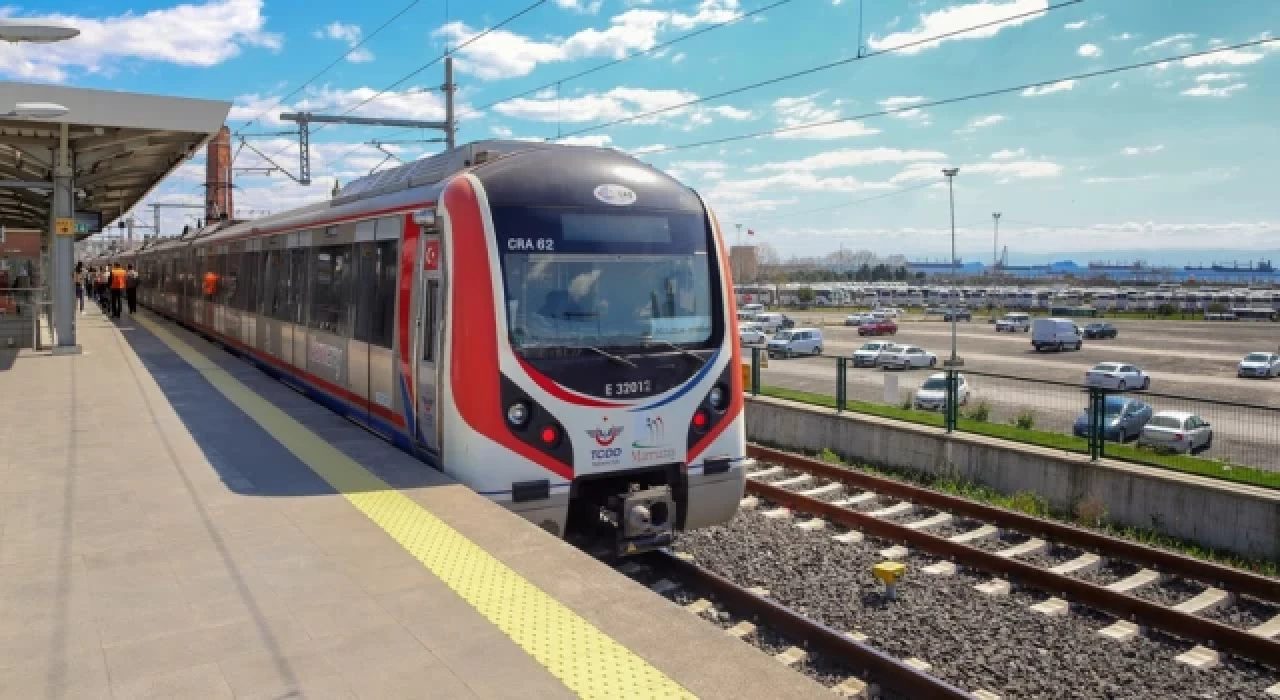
{"x": 1117, "y": 375}
{"x": 1178, "y": 431}
{"x": 961, "y": 315}
{"x": 751, "y": 334}
{"x": 1100, "y": 330}
{"x": 1123, "y": 419}
{"x": 907, "y": 357}
{"x": 771, "y": 321}
{"x": 1014, "y": 323}
{"x": 886, "y": 312}
{"x": 884, "y": 327}
{"x": 870, "y": 353}
{"x": 932, "y": 395}
{"x": 1259, "y": 364}
{"x": 855, "y": 320}
{"x": 1055, "y": 333}
{"x": 796, "y": 341}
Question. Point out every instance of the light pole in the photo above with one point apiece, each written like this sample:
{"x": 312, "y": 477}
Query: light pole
{"x": 951, "y": 175}
{"x": 995, "y": 243}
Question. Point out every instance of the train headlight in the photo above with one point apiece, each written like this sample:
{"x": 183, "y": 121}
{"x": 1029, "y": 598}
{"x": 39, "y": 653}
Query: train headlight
{"x": 518, "y": 414}
{"x": 717, "y": 397}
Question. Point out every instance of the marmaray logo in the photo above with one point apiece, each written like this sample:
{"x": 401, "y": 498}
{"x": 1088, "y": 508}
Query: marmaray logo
{"x": 604, "y": 436}
{"x": 655, "y": 431}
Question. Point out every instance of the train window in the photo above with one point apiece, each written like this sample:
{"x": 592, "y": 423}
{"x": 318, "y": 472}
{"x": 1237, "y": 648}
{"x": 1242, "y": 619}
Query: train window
{"x": 429, "y": 321}
{"x": 249, "y": 263}
{"x": 230, "y": 279}
{"x": 366, "y": 289}
{"x": 273, "y": 294}
{"x": 299, "y": 282}
{"x": 330, "y": 293}
{"x": 384, "y": 308}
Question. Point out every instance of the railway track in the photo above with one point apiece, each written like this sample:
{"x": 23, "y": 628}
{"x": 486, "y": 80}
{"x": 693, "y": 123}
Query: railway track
{"x": 911, "y": 517}
{"x": 841, "y": 660}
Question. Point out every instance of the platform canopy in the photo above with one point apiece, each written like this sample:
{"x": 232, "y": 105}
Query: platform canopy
{"x": 122, "y": 144}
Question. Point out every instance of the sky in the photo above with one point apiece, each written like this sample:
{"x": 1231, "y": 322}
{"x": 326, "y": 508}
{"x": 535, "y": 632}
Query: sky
{"x": 1174, "y": 163}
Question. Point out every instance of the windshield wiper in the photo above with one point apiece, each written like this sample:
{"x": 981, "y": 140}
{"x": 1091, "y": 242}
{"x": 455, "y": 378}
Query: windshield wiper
{"x": 616, "y": 358}
{"x": 682, "y": 351}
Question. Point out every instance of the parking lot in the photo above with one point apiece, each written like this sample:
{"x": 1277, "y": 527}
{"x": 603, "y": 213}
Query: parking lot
{"x": 1186, "y": 359}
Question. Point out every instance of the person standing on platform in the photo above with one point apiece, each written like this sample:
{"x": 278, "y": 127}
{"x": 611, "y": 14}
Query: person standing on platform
{"x": 78, "y": 279}
{"x": 118, "y": 276}
{"x": 131, "y": 289}
{"x": 104, "y": 278}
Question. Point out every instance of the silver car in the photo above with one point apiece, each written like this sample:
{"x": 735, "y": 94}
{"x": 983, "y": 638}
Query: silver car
{"x": 1259, "y": 364}
{"x": 932, "y": 395}
{"x": 908, "y": 357}
{"x": 1178, "y": 431}
{"x": 751, "y": 334}
{"x": 1117, "y": 375}
{"x": 870, "y": 354}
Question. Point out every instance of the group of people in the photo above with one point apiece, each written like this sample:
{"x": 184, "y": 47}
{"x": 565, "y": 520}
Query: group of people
{"x": 110, "y": 286}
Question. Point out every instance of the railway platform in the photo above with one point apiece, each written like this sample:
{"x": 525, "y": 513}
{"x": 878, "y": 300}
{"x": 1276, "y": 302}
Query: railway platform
{"x": 175, "y": 523}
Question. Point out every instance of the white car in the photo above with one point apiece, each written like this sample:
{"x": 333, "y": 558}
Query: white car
{"x": 1014, "y": 323}
{"x": 1259, "y": 364}
{"x": 886, "y": 313}
{"x": 751, "y": 334}
{"x": 797, "y": 341}
{"x": 907, "y": 357}
{"x": 870, "y": 353}
{"x": 1178, "y": 431}
{"x": 855, "y": 320}
{"x": 1117, "y": 375}
{"x": 932, "y": 395}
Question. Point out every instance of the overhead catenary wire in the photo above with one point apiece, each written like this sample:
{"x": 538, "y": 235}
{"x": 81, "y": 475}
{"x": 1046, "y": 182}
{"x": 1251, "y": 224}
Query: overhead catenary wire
{"x": 820, "y": 68}
{"x": 960, "y": 98}
{"x": 363, "y": 40}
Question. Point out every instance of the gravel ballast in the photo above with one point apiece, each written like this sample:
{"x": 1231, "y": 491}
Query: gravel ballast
{"x": 972, "y": 640}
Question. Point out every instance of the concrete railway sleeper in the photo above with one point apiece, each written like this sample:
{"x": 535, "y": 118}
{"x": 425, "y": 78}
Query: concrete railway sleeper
{"x": 871, "y": 512}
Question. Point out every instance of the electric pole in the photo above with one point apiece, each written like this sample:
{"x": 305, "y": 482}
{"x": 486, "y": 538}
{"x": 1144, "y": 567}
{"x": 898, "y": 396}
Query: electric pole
{"x": 995, "y": 243}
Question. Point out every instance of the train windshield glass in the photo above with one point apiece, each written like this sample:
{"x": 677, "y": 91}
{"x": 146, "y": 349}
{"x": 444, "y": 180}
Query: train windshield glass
{"x": 571, "y": 283}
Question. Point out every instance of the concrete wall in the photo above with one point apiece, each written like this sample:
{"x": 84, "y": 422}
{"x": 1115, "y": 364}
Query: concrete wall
{"x": 1222, "y": 515}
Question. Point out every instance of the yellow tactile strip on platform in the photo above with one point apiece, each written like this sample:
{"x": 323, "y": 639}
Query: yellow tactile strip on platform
{"x": 585, "y": 659}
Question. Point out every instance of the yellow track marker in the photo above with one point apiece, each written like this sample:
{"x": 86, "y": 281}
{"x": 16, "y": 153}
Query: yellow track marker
{"x": 585, "y": 659}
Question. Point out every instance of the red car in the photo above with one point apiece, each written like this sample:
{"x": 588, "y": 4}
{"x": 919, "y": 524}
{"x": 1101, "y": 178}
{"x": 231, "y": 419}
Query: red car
{"x": 885, "y": 327}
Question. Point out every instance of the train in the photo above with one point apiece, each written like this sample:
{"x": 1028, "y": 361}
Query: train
{"x": 553, "y": 326}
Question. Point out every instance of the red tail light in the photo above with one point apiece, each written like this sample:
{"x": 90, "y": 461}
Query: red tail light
{"x": 549, "y": 435}
{"x": 1177, "y": 436}
{"x": 700, "y": 419}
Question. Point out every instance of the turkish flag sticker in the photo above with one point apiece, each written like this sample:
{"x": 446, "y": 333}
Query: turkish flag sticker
{"x": 431, "y": 256}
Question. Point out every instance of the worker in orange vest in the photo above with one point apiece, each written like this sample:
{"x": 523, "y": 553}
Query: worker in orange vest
{"x": 210, "y": 285}
{"x": 118, "y": 281}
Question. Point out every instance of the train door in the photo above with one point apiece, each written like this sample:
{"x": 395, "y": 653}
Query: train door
{"x": 381, "y": 294}
{"x": 429, "y": 349}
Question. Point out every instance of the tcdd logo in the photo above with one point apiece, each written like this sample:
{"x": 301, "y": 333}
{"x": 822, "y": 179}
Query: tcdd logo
{"x": 606, "y": 453}
{"x": 606, "y": 434}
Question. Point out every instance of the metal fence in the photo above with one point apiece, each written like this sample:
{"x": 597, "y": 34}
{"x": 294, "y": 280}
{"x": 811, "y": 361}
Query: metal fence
{"x": 1241, "y": 442}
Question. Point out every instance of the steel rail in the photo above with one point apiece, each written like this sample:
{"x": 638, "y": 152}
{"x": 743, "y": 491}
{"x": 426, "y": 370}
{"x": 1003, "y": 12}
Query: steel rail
{"x": 1121, "y": 605}
{"x": 887, "y": 671}
{"x": 1224, "y": 577}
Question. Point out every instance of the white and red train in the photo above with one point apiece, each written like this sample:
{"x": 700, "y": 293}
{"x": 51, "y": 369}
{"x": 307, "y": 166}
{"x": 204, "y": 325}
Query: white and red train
{"x": 553, "y": 326}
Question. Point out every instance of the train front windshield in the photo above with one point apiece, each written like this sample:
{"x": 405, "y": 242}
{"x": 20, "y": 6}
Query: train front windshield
{"x": 625, "y": 282}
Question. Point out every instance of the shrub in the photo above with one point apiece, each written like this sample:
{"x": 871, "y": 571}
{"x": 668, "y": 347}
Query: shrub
{"x": 1025, "y": 420}
{"x": 1091, "y": 512}
{"x": 980, "y": 412}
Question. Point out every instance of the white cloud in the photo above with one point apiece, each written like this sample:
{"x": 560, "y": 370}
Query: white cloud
{"x": 701, "y": 165}
{"x": 505, "y": 54}
{"x": 1166, "y": 41}
{"x": 597, "y": 140}
{"x": 591, "y": 7}
{"x": 1089, "y": 50}
{"x": 849, "y": 158}
{"x": 246, "y": 107}
{"x": 619, "y": 103}
{"x": 918, "y": 116}
{"x": 199, "y": 35}
{"x": 1126, "y": 36}
{"x": 1006, "y": 154}
{"x": 647, "y": 149}
{"x": 1001, "y": 169}
{"x": 981, "y": 123}
{"x": 1215, "y": 77}
{"x": 1203, "y": 90}
{"x": 1140, "y": 150}
{"x": 677, "y": 58}
{"x": 933, "y": 25}
{"x": 349, "y": 34}
{"x": 1060, "y": 86}
{"x": 502, "y": 132}
{"x": 798, "y": 111}
{"x": 1230, "y": 57}
{"x": 1072, "y": 26}
{"x": 1116, "y": 85}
